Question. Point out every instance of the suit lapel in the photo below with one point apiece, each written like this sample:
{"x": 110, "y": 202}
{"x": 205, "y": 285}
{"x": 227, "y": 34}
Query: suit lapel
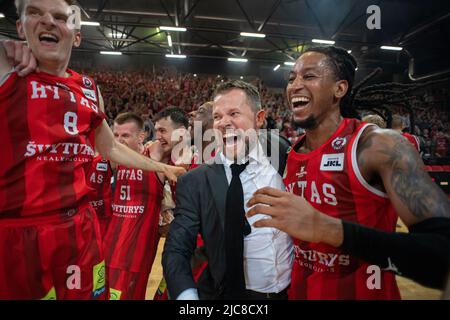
{"x": 218, "y": 185}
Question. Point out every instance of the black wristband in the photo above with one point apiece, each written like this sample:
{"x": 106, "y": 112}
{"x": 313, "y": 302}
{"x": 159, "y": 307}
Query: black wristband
{"x": 422, "y": 255}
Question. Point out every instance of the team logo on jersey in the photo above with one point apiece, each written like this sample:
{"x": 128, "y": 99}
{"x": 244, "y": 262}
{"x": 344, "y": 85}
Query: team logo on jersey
{"x": 338, "y": 143}
{"x": 87, "y": 82}
{"x": 102, "y": 166}
{"x": 301, "y": 173}
{"x": 332, "y": 162}
{"x": 90, "y": 94}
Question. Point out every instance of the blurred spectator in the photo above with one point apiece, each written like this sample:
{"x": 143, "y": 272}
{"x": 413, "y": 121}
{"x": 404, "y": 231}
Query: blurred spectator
{"x": 375, "y": 119}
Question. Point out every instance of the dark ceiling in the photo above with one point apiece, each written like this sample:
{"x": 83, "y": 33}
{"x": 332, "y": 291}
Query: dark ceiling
{"x": 421, "y": 27}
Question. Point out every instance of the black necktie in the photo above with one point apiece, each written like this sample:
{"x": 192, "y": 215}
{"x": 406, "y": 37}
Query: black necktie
{"x": 236, "y": 227}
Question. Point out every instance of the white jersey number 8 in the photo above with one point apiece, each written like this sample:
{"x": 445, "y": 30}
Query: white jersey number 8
{"x": 70, "y": 123}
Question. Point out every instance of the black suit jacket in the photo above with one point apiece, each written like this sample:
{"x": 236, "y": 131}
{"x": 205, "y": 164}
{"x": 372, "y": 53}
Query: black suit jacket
{"x": 200, "y": 207}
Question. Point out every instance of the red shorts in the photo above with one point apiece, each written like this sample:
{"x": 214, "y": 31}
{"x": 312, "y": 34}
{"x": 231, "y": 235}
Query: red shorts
{"x": 104, "y": 223}
{"x": 52, "y": 257}
{"x": 126, "y": 285}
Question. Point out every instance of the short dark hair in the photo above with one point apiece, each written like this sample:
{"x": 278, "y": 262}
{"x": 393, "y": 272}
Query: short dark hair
{"x": 175, "y": 114}
{"x": 19, "y": 5}
{"x": 250, "y": 90}
{"x": 130, "y": 117}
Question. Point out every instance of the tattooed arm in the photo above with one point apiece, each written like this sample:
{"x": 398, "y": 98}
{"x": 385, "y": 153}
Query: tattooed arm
{"x": 390, "y": 163}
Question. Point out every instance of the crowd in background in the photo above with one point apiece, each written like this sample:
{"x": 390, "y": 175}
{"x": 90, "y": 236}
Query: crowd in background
{"x": 147, "y": 92}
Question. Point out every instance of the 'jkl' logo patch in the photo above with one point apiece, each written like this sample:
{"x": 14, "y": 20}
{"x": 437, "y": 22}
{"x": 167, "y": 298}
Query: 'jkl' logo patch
{"x": 332, "y": 162}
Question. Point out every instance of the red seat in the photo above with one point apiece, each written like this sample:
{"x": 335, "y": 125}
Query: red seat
{"x": 436, "y": 168}
{"x": 428, "y": 168}
{"x": 446, "y": 168}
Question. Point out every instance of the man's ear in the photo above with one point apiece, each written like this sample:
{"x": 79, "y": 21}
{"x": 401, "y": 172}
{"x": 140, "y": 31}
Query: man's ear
{"x": 19, "y": 28}
{"x": 341, "y": 88}
{"x": 141, "y": 136}
{"x": 260, "y": 118}
{"x": 77, "y": 39}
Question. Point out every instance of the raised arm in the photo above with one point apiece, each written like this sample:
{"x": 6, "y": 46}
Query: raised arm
{"x": 116, "y": 152}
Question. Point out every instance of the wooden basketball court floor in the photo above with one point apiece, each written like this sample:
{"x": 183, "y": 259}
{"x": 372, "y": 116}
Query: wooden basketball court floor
{"x": 409, "y": 289}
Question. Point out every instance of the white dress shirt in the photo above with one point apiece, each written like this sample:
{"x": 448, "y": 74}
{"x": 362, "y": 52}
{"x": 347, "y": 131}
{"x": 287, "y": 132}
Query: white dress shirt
{"x": 268, "y": 252}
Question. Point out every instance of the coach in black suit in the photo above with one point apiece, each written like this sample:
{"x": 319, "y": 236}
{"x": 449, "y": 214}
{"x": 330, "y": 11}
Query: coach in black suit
{"x": 243, "y": 262}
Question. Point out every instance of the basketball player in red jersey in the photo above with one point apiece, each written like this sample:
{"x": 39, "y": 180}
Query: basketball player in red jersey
{"x": 399, "y": 125}
{"x": 49, "y": 235}
{"x": 131, "y": 241}
{"x": 340, "y": 171}
{"x": 200, "y": 121}
{"x": 99, "y": 179}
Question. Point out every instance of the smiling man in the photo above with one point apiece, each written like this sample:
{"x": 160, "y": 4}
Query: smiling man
{"x": 348, "y": 180}
{"x": 244, "y": 263}
{"x": 49, "y": 123}
{"x": 132, "y": 238}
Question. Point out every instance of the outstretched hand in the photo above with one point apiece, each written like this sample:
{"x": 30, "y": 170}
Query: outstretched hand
{"x": 172, "y": 172}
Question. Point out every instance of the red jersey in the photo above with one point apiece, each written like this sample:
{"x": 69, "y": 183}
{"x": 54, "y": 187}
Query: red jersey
{"x": 132, "y": 237}
{"x": 329, "y": 179}
{"x": 46, "y": 135}
{"x": 99, "y": 176}
{"x": 413, "y": 139}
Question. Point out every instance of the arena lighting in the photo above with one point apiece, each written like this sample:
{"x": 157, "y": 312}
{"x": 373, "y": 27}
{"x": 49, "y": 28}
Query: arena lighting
{"x": 90, "y": 23}
{"x": 253, "y": 35}
{"x": 172, "y": 28}
{"x": 323, "y": 41}
{"x": 177, "y": 56}
{"x": 276, "y": 67}
{"x": 112, "y": 53}
{"x": 237, "y": 59}
{"x": 117, "y": 34}
{"x": 2, "y": 15}
{"x": 391, "y": 48}
{"x": 289, "y": 63}
{"x": 169, "y": 40}
{"x": 241, "y": 77}
{"x": 195, "y": 74}
{"x": 349, "y": 51}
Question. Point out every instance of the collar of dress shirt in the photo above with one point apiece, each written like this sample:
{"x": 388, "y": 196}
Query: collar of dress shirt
{"x": 257, "y": 158}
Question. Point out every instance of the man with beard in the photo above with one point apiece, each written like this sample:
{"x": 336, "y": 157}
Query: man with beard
{"x": 243, "y": 263}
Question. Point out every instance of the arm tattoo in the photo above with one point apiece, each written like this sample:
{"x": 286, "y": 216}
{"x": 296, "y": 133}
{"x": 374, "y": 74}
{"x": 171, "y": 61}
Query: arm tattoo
{"x": 411, "y": 183}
